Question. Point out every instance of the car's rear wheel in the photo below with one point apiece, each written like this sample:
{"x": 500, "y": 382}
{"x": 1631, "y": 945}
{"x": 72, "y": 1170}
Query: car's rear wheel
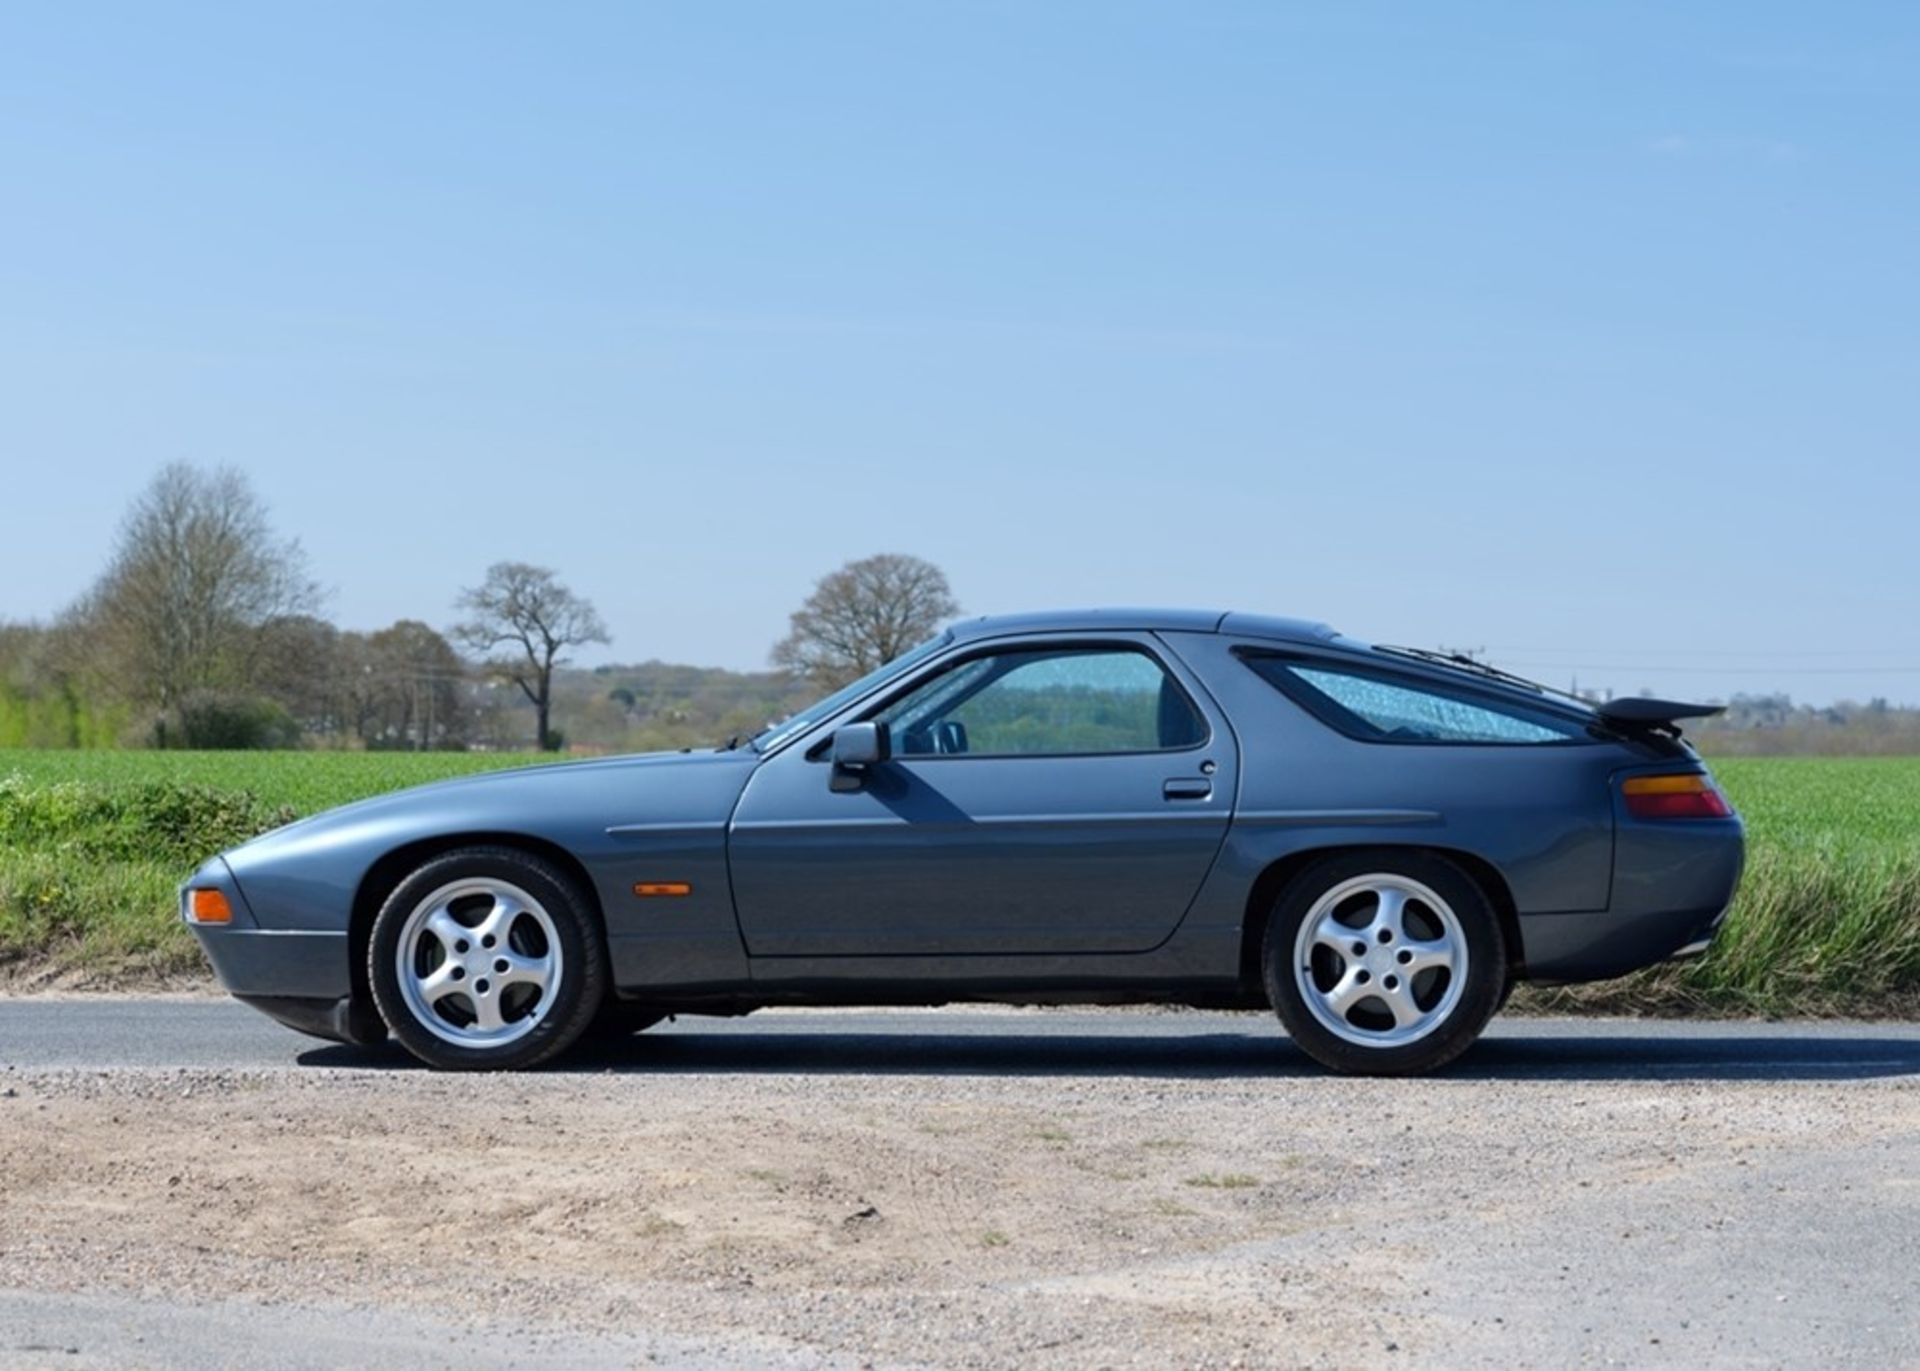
{"x": 486, "y": 959}
{"x": 1384, "y": 963}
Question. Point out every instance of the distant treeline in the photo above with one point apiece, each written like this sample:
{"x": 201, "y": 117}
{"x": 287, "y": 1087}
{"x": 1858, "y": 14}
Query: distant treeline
{"x": 313, "y": 685}
{"x": 405, "y": 687}
{"x": 203, "y": 632}
{"x": 1774, "y": 726}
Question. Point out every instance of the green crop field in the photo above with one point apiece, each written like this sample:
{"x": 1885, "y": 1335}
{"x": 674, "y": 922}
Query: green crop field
{"x": 305, "y": 781}
{"x": 1828, "y": 915}
{"x": 93, "y": 844}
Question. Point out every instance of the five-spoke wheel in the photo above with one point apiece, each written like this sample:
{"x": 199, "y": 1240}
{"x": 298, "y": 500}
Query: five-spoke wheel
{"x": 486, "y": 958}
{"x": 1384, "y": 962}
{"x": 477, "y": 962}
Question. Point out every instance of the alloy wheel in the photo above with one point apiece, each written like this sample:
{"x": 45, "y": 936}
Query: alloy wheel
{"x": 479, "y": 962}
{"x": 1380, "y": 960}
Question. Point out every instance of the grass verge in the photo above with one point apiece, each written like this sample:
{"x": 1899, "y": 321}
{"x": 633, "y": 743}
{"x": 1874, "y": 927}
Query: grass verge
{"x": 93, "y": 846}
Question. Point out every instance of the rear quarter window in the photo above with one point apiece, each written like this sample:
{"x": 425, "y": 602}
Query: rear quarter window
{"x": 1384, "y": 708}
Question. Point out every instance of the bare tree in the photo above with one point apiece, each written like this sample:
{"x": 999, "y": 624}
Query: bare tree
{"x": 863, "y": 616}
{"x": 196, "y": 574}
{"x": 525, "y": 611}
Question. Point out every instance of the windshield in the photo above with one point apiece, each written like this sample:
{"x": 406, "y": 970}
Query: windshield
{"x": 846, "y": 695}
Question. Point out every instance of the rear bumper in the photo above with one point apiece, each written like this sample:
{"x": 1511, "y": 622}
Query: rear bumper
{"x": 1672, "y": 885}
{"x": 1594, "y": 947}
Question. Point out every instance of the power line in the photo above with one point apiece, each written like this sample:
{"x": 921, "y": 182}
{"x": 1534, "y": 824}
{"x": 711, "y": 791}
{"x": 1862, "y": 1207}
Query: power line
{"x": 1876, "y": 651}
{"x": 1712, "y": 668}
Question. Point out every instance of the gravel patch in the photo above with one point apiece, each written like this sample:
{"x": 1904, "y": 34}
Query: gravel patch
{"x": 964, "y": 1221}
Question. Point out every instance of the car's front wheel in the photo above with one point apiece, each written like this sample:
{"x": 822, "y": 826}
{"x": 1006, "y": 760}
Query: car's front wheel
{"x": 1384, "y": 963}
{"x": 486, "y": 959}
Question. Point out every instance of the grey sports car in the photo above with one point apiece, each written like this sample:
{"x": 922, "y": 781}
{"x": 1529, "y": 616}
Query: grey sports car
{"x": 1101, "y": 807}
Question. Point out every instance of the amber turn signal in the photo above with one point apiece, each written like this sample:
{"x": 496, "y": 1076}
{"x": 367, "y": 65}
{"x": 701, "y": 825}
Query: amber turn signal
{"x": 1688, "y": 795}
{"x": 647, "y": 889}
{"x": 209, "y": 907}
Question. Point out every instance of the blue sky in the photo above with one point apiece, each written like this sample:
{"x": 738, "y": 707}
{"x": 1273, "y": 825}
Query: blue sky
{"x": 1588, "y": 335}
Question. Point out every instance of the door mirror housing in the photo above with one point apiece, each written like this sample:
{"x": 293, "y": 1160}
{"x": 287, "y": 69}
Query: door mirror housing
{"x": 857, "y": 745}
{"x": 855, "y": 748}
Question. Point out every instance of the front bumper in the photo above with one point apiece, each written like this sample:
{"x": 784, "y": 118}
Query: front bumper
{"x": 301, "y": 977}
{"x": 265, "y": 961}
{"x": 344, "y": 1020}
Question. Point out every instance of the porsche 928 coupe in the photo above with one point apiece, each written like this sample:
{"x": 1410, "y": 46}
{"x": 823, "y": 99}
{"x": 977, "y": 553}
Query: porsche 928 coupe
{"x": 1219, "y": 810}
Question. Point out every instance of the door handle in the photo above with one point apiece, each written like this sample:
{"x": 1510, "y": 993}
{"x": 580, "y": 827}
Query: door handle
{"x": 1188, "y": 788}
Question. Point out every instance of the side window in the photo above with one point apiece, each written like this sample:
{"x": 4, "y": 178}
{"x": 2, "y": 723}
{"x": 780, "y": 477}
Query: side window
{"x": 1047, "y": 702}
{"x": 1377, "y": 709}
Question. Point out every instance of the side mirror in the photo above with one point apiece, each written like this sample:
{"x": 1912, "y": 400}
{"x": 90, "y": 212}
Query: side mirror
{"x": 857, "y": 747}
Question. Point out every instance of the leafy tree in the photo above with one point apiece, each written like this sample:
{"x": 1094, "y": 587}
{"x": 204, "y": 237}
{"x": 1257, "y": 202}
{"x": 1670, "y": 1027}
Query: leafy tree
{"x": 863, "y": 616}
{"x": 416, "y": 677}
{"x": 523, "y": 619}
{"x": 229, "y": 721}
{"x": 196, "y": 573}
{"x": 297, "y": 663}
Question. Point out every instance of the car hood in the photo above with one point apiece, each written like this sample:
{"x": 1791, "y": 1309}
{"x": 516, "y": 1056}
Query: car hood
{"x": 539, "y": 788}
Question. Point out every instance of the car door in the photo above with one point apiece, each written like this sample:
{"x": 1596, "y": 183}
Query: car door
{"x": 1043, "y": 796}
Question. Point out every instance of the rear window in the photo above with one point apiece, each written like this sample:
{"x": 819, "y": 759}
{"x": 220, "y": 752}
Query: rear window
{"x": 1383, "y": 708}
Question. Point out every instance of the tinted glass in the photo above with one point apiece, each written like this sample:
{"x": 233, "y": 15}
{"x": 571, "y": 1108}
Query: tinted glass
{"x": 1403, "y": 711}
{"x": 1047, "y": 702}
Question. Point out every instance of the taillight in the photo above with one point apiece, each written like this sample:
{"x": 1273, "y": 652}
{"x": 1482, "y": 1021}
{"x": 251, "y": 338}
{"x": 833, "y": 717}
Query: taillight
{"x": 1686, "y": 796}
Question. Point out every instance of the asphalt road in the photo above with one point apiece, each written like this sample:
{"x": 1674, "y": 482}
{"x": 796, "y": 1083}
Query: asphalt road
{"x": 112, "y": 1033}
{"x": 103, "y": 1332}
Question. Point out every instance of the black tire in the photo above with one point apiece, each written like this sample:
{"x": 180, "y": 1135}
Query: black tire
{"x": 1453, "y": 1030}
{"x": 562, "y": 1009}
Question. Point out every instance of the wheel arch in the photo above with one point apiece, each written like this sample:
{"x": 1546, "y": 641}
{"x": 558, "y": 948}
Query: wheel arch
{"x": 393, "y": 867}
{"x": 1274, "y": 878}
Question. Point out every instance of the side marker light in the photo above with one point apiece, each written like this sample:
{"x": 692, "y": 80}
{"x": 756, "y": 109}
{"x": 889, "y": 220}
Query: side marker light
{"x": 209, "y": 907}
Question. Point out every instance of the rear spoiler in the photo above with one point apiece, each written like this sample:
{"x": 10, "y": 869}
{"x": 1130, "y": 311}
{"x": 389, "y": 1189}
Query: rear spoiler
{"x": 1637, "y": 714}
{"x": 1635, "y": 709}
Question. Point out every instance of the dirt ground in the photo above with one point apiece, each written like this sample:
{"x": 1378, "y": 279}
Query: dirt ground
{"x": 955, "y": 1220}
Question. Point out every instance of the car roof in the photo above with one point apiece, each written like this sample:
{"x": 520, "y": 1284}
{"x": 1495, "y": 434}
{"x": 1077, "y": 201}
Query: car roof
{"x": 1147, "y": 621}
